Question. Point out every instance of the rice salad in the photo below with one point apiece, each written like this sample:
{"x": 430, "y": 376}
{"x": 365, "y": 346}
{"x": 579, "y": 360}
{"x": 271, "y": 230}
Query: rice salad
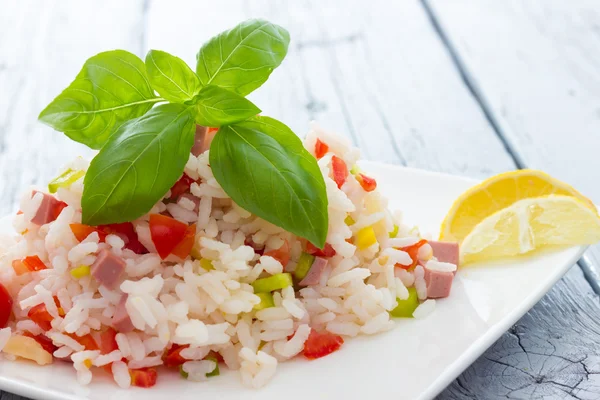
{"x": 195, "y": 312}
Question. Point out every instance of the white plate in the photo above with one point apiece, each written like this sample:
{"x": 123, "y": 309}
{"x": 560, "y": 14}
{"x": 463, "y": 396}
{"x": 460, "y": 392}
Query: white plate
{"x": 415, "y": 360}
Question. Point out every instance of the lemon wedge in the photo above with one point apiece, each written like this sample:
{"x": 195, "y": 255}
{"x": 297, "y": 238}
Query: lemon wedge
{"x": 497, "y": 193}
{"x": 532, "y": 224}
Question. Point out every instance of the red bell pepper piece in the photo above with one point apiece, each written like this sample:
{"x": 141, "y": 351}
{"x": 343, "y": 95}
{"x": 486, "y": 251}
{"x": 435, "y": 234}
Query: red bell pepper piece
{"x": 339, "y": 171}
{"x": 320, "y": 149}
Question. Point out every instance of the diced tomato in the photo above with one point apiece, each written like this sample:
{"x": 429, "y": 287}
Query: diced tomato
{"x": 86, "y": 341}
{"x": 183, "y": 249}
{"x": 126, "y": 230}
{"x": 368, "y": 184}
{"x": 413, "y": 251}
{"x": 166, "y": 233}
{"x": 339, "y": 171}
{"x": 40, "y": 315}
{"x": 82, "y": 231}
{"x": 58, "y": 207}
{"x": 321, "y": 344}
{"x": 19, "y": 267}
{"x": 313, "y": 250}
{"x": 33, "y": 263}
{"x": 181, "y": 186}
{"x": 173, "y": 356}
{"x": 43, "y": 340}
{"x": 281, "y": 254}
{"x": 320, "y": 149}
{"x": 143, "y": 377}
{"x": 6, "y": 303}
{"x": 108, "y": 341}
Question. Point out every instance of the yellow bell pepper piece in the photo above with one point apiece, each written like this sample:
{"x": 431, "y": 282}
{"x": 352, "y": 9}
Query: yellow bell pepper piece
{"x": 365, "y": 238}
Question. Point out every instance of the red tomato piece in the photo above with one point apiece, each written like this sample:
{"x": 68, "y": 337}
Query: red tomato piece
{"x": 281, "y": 254}
{"x": 82, "y": 231}
{"x": 181, "y": 186}
{"x": 40, "y": 315}
{"x": 412, "y": 251}
{"x": 19, "y": 267}
{"x": 320, "y": 149}
{"x": 367, "y": 183}
{"x": 166, "y": 233}
{"x": 321, "y": 344}
{"x": 33, "y": 263}
{"x": 173, "y": 356}
{"x": 86, "y": 341}
{"x": 43, "y": 340}
{"x": 183, "y": 249}
{"x": 339, "y": 171}
{"x": 58, "y": 207}
{"x": 108, "y": 341}
{"x": 313, "y": 250}
{"x": 143, "y": 377}
{"x": 125, "y": 230}
{"x": 6, "y": 303}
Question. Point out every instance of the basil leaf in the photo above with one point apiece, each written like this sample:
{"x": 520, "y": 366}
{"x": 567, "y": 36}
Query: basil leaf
{"x": 216, "y": 107}
{"x": 242, "y": 58}
{"x": 171, "y": 77}
{"x": 138, "y": 165}
{"x": 111, "y": 88}
{"x": 262, "y": 165}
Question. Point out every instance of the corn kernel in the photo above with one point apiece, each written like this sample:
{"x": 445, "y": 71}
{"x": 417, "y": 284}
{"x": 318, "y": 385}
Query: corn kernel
{"x": 88, "y": 363}
{"x": 80, "y": 272}
{"x": 365, "y": 238}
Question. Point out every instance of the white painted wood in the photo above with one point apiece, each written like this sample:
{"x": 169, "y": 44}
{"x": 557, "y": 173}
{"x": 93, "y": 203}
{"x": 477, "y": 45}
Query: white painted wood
{"x": 375, "y": 71}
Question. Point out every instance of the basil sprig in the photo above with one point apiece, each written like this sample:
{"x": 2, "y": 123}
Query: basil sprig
{"x": 144, "y": 147}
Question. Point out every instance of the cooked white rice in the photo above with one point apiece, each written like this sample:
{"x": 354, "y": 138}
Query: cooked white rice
{"x": 181, "y": 302}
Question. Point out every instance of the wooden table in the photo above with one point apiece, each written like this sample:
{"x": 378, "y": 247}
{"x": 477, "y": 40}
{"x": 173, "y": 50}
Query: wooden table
{"x": 468, "y": 87}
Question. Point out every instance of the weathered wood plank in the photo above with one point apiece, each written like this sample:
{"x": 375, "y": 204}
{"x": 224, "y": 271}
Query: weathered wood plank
{"x": 539, "y": 84}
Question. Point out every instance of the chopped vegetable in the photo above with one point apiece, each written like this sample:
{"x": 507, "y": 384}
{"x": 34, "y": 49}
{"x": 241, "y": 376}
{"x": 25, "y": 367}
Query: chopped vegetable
{"x": 65, "y": 179}
{"x": 167, "y": 233}
{"x": 27, "y": 348}
{"x": 143, "y": 377}
{"x": 184, "y": 248}
{"x": 214, "y": 372}
{"x": 206, "y": 264}
{"x": 365, "y": 238}
{"x": 33, "y": 263}
{"x": 321, "y": 344}
{"x": 339, "y": 171}
{"x": 183, "y": 374}
{"x": 304, "y": 263}
{"x": 125, "y": 231}
{"x": 39, "y": 314}
{"x": 274, "y": 282}
{"x": 82, "y": 231}
{"x": 181, "y": 186}
{"x": 86, "y": 341}
{"x": 195, "y": 253}
{"x": 327, "y": 250}
{"x": 355, "y": 169}
{"x": 88, "y": 363}
{"x": 320, "y": 149}
{"x": 6, "y": 303}
{"x": 19, "y": 267}
{"x": 405, "y": 308}
{"x": 394, "y": 232}
{"x": 43, "y": 340}
{"x": 413, "y": 251}
{"x": 281, "y": 254}
{"x": 367, "y": 183}
{"x": 266, "y": 301}
{"x": 349, "y": 220}
{"x": 80, "y": 272}
{"x": 173, "y": 357}
{"x": 108, "y": 341}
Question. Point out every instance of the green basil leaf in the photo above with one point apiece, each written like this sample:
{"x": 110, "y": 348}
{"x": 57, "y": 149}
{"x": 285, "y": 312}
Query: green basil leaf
{"x": 138, "y": 165}
{"x": 242, "y": 58}
{"x": 262, "y": 165}
{"x": 171, "y": 77}
{"x": 111, "y": 88}
{"x": 216, "y": 106}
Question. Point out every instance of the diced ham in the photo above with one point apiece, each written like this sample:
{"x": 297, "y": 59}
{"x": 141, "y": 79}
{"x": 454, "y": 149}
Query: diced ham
{"x": 107, "y": 269}
{"x": 204, "y": 137}
{"x": 313, "y": 277}
{"x": 193, "y": 199}
{"x": 121, "y": 320}
{"x": 445, "y": 251}
{"x": 47, "y": 212}
{"x": 439, "y": 283}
